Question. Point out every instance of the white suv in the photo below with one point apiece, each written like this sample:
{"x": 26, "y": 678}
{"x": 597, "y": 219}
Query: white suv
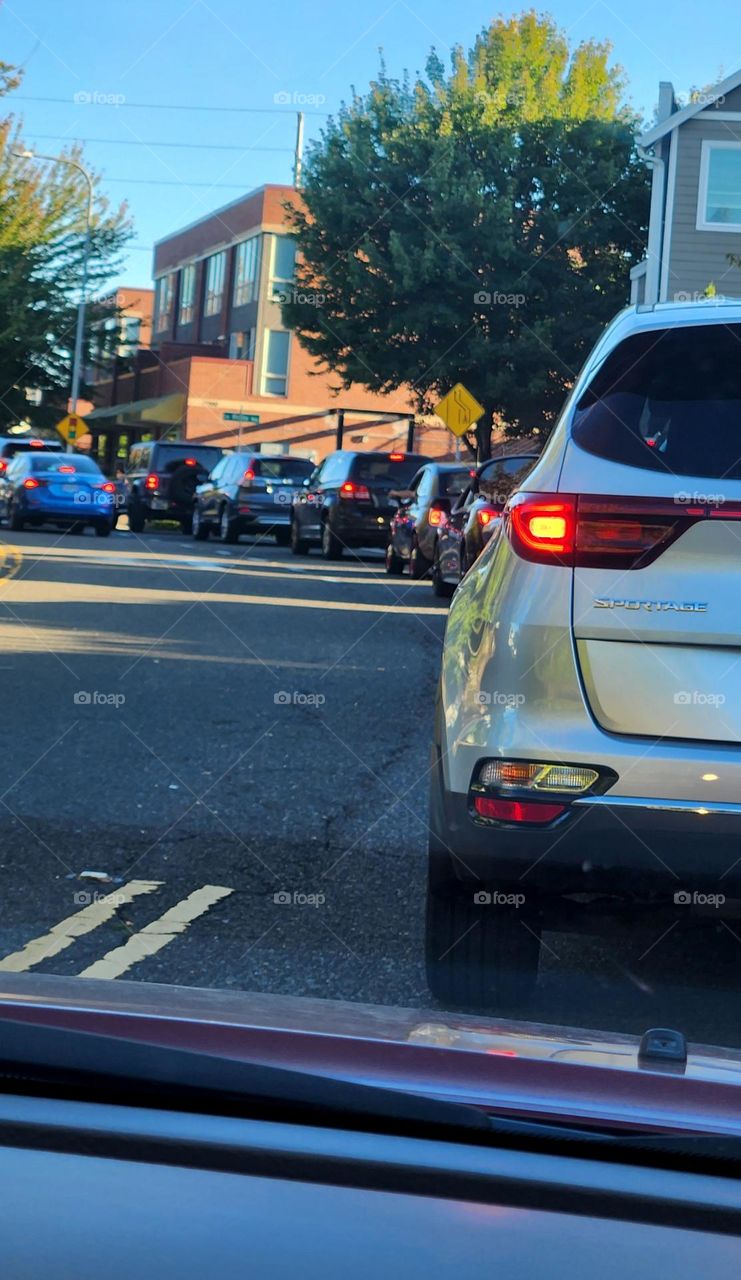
{"x": 588, "y": 727}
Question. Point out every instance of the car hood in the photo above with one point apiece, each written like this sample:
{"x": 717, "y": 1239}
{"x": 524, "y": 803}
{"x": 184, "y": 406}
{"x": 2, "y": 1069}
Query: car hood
{"x": 519, "y": 1068}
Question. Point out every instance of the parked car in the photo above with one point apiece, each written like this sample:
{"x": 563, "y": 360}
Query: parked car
{"x": 161, "y": 480}
{"x": 588, "y": 727}
{"x": 12, "y": 445}
{"x": 464, "y": 531}
{"x": 52, "y": 487}
{"x": 421, "y": 511}
{"x": 249, "y": 493}
{"x": 348, "y": 501}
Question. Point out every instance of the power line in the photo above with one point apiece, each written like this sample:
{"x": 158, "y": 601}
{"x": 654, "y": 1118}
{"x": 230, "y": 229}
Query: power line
{"x": 282, "y": 110}
{"x": 141, "y": 142}
{"x": 184, "y": 182}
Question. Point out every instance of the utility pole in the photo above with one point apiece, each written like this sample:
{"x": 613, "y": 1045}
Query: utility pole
{"x": 299, "y": 151}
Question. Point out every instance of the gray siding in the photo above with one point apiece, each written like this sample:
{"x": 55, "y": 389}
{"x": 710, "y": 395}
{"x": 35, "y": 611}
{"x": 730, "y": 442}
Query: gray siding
{"x": 698, "y": 257}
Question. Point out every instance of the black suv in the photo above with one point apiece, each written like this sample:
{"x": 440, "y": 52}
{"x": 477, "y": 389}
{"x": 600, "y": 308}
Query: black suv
{"x": 249, "y": 493}
{"x": 161, "y": 479}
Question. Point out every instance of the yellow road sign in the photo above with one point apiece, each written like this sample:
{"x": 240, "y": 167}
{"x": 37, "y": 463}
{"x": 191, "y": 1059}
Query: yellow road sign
{"x": 459, "y": 409}
{"x": 72, "y": 427}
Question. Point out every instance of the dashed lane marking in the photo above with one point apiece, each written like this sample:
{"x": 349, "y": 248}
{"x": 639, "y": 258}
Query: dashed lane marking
{"x": 62, "y": 935}
{"x": 153, "y": 937}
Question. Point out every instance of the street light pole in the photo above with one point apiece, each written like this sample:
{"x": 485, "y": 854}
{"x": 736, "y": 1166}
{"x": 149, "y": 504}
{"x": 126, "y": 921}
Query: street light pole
{"x": 80, "y": 329}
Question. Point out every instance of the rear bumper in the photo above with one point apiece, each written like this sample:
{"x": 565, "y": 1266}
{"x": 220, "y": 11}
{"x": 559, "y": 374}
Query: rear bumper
{"x": 356, "y": 529}
{"x": 629, "y": 846}
{"x": 82, "y": 513}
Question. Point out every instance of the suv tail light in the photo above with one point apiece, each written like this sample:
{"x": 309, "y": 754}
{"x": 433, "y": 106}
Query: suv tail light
{"x": 152, "y": 482}
{"x": 350, "y": 490}
{"x": 485, "y": 515}
{"x": 437, "y": 517}
{"x": 532, "y": 792}
{"x": 594, "y": 531}
{"x": 32, "y": 483}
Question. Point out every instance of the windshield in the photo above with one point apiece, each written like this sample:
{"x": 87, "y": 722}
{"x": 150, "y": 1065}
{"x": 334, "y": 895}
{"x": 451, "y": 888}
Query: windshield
{"x": 356, "y": 649}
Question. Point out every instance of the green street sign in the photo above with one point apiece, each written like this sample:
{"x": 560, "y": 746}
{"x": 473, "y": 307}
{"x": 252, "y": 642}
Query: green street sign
{"x": 241, "y": 417}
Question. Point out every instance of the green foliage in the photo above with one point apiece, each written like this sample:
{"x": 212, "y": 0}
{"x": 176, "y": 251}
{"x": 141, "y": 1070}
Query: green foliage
{"x": 42, "y": 226}
{"x": 476, "y": 226}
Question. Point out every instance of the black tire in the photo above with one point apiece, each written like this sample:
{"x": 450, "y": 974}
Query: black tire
{"x": 199, "y": 528}
{"x": 418, "y": 564}
{"x": 15, "y": 519}
{"x": 479, "y": 956}
{"x": 394, "y": 563}
{"x": 227, "y": 529}
{"x": 137, "y": 516}
{"x": 282, "y": 537}
{"x": 332, "y": 548}
{"x": 441, "y": 588}
{"x": 299, "y": 546}
{"x": 102, "y": 528}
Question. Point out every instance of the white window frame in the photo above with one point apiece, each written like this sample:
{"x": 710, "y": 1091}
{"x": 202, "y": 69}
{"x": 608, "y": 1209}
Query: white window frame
{"x": 278, "y": 284}
{"x": 187, "y": 308}
{"x": 246, "y": 291}
{"x": 213, "y": 300}
{"x": 266, "y": 373}
{"x": 164, "y": 318}
{"x": 708, "y": 145}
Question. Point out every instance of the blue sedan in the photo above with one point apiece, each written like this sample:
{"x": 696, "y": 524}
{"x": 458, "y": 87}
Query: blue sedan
{"x": 65, "y": 489}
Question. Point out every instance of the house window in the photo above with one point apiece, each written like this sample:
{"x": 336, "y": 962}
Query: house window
{"x": 719, "y": 204}
{"x": 215, "y": 273}
{"x": 275, "y": 366}
{"x": 245, "y": 271}
{"x": 164, "y": 292}
{"x": 283, "y": 266}
{"x": 187, "y": 293}
{"x": 242, "y": 345}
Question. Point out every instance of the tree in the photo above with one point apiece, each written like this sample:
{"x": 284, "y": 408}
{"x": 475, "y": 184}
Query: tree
{"x": 42, "y": 226}
{"x": 476, "y": 226}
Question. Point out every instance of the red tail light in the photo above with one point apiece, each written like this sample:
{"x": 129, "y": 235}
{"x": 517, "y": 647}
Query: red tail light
{"x": 108, "y": 487}
{"x": 532, "y": 811}
{"x": 36, "y": 444}
{"x": 352, "y": 490}
{"x": 191, "y": 462}
{"x": 248, "y": 475}
{"x": 31, "y": 483}
{"x": 3, "y": 465}
{"x": 396, "y": 457}
{"x": 436, "y": 517}
{"x": 596, "y": 531}
{"x": 68, "y": 471}
{"x": 152, "y": 482}
{"x": 485, "y": 515}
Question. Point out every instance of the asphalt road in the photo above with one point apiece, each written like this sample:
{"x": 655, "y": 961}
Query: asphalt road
{"x": 211, "y": 727}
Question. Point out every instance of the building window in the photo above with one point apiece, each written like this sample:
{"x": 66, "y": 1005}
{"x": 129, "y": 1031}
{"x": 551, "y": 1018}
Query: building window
{"x": 283, "y": 266}
{"x": 164, "y": 292}
{"x": 187, "y": 293}
{"x": 215, "y": 273}
{"x": 719, "y": 204}
{"x": 245, "y": 271}
{"x": 242, "y": 345}
{"x": 275, "y": 365}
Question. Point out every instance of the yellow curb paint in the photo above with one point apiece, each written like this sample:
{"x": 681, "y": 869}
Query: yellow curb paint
{"x": 62, "y": 935}
{"x": 153, "y": 937}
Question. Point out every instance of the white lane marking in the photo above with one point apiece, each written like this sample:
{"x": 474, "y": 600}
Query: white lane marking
{"x": 62, "y": 935}
{"x": 153, "y": 937}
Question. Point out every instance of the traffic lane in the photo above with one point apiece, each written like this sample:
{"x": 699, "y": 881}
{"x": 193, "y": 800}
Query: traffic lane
{"x": 202, "y": 775}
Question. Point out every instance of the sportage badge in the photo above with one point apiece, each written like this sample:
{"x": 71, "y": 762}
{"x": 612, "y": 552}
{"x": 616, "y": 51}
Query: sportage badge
{"x": 653, "y": 606}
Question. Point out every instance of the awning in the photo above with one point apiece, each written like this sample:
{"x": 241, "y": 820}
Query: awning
{"x": 169, "y": 410}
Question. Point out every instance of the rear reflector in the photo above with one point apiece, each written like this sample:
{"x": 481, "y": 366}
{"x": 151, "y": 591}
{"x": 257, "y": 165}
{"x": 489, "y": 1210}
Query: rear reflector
{"x": 594, "y": 531}
{"x": 534, "y": 812}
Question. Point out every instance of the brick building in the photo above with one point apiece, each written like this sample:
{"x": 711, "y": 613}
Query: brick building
{"x": 222, "y": 366}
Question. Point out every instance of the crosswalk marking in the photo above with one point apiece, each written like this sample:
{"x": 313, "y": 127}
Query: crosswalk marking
{"x": 62, "y": 935}
{"x": 153, "y": 937}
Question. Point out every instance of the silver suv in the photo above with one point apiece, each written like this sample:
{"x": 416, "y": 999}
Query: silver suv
{"x": 588, "y": 726}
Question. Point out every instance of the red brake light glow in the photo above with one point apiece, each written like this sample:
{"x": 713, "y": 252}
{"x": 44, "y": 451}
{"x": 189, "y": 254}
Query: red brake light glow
{"x": 396, "y": 457}
{"x": 191, "y": 462}
{"x": 108, "y": 487}
{"x": 542, "y": 526}
{"x": 248, "y": 475}
{"x": 30, "y": 483}
{"x": 485, "y": 515}
{"x": 436, "y": 517}
{"x": 350, "y": 490}
{"x": 151, "y": 482}
{"x": 68, "y": 471}
{"x": 3, "y": 465}
{"x": 36, "y": 444}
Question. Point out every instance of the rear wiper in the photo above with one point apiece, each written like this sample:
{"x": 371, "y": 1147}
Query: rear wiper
{"x": 111, "y": 1068}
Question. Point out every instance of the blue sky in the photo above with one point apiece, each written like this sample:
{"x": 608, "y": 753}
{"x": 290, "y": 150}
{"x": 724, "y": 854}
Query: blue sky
{"x": 101, "y": 58}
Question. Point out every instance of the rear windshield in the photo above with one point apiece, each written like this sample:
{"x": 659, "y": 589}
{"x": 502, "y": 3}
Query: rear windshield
{"x": 502, "y": 476}
{"x": 282, "y": 468}
{"x": 12, "y": 447}
{"x": 452, "y": 483}
{"x": 44, "y": 461}
{"x": 167, "y": 457}
{"x": 668, "y": 400}
{"x": 379, "y": 468}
